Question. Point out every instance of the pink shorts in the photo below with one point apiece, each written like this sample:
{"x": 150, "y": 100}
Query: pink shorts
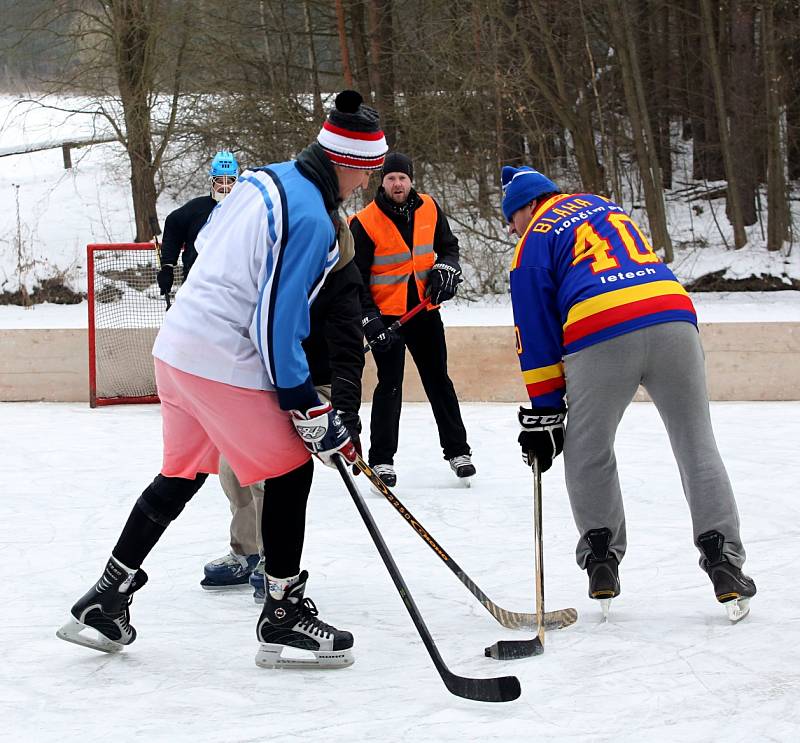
{"x": 202, "y": 419}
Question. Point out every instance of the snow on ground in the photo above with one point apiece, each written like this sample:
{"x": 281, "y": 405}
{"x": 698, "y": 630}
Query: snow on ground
{"x": 712, "y": 307}
{"x": 668, "y": 666}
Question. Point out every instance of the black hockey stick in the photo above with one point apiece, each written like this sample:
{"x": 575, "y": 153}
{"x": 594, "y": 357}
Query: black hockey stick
{"x": 404, "y": 319}
{"x": 155, "y": 229}
{"x": 511, "y": 619}
{"x": 502, "y": 689}
{"x": 515, "y": 649}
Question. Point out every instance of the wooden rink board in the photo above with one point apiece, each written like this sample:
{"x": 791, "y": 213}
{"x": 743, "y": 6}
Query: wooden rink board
{"x": 744, "y": 361}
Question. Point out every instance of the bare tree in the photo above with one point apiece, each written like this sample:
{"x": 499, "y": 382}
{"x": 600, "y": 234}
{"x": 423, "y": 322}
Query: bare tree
{"x": 733, "y": 194}
{"x": 743, "y": 96}
{"x": 129, "y": 58}
{"x": 640, "y": 124}
{"x": 778, "y": 220}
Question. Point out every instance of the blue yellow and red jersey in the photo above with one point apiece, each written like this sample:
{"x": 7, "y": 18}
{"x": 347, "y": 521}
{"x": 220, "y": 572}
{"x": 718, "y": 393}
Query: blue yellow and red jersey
{"x": 583, "y": 272}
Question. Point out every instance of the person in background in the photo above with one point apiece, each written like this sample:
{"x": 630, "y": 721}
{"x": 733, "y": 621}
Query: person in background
{"x": 183, "y": 225}
{"x": 407, "y": 252}
{"x": 335, "y": 353}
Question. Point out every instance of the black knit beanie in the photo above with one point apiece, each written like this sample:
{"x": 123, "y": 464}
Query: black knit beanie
{"x": 397, "y": 162}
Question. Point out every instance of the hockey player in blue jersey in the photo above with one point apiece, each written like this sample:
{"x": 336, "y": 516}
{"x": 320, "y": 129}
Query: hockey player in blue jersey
{"x": 596, "y": 314}
{"x": 234, "y": 381}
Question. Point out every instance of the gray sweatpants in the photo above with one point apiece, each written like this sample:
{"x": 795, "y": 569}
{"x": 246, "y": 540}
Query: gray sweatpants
{"x": 246, "y": 502}
{"x": 668, "y": 361}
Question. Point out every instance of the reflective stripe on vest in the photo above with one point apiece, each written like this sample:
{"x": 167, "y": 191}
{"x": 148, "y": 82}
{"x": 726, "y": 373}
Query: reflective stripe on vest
{"x": 393, "y": 262}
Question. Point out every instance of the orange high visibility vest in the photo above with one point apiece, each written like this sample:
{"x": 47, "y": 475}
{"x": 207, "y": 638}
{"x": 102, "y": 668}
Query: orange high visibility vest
{"x": 394, "y": 263}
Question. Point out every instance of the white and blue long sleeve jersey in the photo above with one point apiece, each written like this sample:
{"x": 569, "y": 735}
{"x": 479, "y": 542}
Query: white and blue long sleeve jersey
{"x": 242, "y": 314}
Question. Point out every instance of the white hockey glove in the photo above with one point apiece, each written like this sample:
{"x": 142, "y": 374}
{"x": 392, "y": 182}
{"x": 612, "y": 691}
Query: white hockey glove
{"x": 324, "y": 434}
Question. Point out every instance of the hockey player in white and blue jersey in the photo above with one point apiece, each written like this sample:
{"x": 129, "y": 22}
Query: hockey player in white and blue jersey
{"x": 233, "y": 380}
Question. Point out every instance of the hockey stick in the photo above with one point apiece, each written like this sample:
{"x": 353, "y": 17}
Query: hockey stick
{"x": 404, "y": 319}
{"x": 511, "y": 619}
{"x": 502, "y": 689}
{"x": 514, "y": 649}
{"x": 155, "y": 229}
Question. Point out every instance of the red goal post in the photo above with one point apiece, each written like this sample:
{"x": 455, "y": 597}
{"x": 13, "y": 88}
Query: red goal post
{"x": 126, "y": 310}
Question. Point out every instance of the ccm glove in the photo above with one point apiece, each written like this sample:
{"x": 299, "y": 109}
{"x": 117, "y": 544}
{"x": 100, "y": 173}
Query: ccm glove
{"x": 443, "y": 282}
{"x": 377, "y": 334}
{"x": 542, "y": 435}
{"x": 165, "y": 278}
{"x": 324, "y": 434}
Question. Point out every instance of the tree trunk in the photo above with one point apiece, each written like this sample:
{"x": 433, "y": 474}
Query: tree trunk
{"x": 574, "y": 116}
{"x": 790, "y": 24}
{"x": 133, "y": 42}
{"x": 778, "y": 219}
{"x": 357, "y": 33}
{"x": 642, "y": 132}
{"x": 662, "y": 67}
{"x": 345, "y": 50}
{"x": 319, "y": 114}
{"x": 742, "y": 89}
{"x": 382, "y": 64}
{"x": 733, "y": 205}
{"x": 267, "y": 47}
{"x": 706, "y": 159}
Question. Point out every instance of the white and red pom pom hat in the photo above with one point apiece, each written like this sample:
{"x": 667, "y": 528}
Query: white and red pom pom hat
{"x": 351, "y": 135}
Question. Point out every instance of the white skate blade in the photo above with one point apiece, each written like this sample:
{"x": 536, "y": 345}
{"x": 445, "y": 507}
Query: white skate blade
{"x": 271, "y": 655}
{"x": 228, "y": 587}
{"x": 466, "y": 481}
{"x": 71, "y": 632}
{"x": 737, "y": 609}
{"x": 605, "y": 606}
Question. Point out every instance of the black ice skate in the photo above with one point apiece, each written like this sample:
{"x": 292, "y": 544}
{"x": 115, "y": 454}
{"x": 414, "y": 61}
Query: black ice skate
{"x": 292, "y": 624}
{"x": 732, "y": 587}
{"x": 602, "y": 568}
{"x": 463, "y": 467}
{"x": 386, "y": 473}
{"x": 104, "y": 608}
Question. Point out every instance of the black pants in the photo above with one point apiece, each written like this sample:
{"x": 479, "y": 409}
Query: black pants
{"x": 424, "y": 336}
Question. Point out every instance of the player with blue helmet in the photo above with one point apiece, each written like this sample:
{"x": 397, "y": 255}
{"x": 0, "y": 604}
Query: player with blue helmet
{"x": 182, "y": 225}
{"x": 224, "y": 171}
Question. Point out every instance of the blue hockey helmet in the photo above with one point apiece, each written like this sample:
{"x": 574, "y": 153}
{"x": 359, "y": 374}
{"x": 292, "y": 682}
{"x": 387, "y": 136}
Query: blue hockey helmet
{"x": 224, "y": 163}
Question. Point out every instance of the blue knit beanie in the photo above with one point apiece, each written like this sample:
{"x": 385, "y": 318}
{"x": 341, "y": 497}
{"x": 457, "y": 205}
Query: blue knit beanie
{"x": 521, "y": 186}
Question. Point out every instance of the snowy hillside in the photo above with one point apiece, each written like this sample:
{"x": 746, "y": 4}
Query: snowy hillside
{"x": 49, "y": 214}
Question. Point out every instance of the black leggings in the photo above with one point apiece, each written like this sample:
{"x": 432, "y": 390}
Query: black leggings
{"x": 424, "y": 337}
{"x": 283, "y": 520}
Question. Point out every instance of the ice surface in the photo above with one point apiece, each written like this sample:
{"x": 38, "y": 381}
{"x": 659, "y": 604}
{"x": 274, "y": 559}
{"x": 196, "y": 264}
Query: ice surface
{"x": 668, "y": 665}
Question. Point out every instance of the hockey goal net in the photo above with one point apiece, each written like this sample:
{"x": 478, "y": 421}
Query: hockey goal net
{"x": 126, "y": 310}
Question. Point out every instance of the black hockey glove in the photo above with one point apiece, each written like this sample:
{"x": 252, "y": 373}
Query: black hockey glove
{"x": 165, "y": 278}
{"x": 324, "y": 434}
{"x": 443, "y": 282}
{"x": 542, "y": 435}
{"x": 375, "y": 331}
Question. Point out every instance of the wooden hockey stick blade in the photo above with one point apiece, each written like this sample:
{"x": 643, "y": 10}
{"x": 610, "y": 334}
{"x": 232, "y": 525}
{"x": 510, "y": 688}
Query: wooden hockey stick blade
{"x": 499, "y": 689}
{"x": 511, "y": 619}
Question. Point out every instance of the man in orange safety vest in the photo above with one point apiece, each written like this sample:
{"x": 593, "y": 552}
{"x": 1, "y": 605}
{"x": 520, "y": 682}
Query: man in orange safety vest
{"x": 407, "y": 252}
